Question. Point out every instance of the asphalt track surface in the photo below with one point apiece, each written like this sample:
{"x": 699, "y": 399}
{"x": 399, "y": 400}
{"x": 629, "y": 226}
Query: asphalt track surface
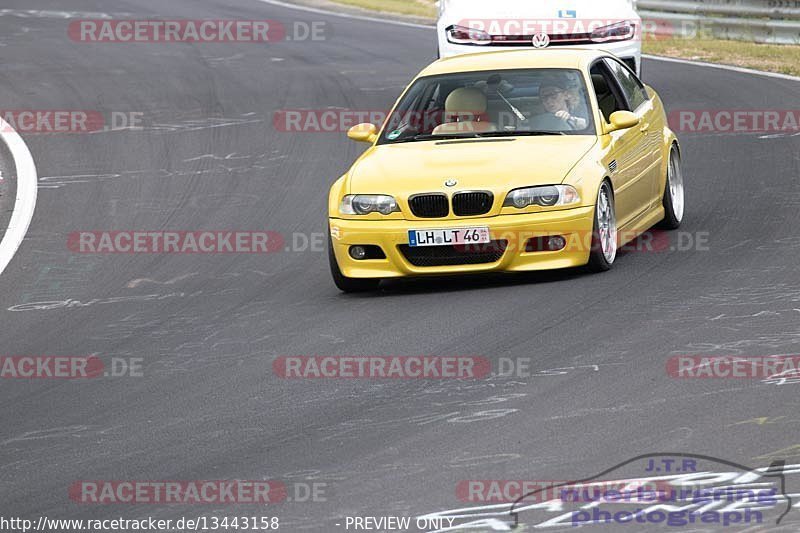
{"x": 209, "y": 405}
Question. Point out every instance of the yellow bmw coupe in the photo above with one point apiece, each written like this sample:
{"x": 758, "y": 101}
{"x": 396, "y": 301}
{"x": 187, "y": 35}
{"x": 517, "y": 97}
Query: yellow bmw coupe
{"x": 506, "y": 161}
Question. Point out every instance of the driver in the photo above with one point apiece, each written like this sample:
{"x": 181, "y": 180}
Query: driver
{"x": 555, "y": 99}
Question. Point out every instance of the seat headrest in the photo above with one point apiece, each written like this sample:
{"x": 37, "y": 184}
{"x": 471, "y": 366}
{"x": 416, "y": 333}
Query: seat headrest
{"x": 466, "y": 100}
{"x": 600, "y": 85}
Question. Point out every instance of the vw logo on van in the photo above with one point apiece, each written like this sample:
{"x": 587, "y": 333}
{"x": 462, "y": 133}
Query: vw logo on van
{"x": 540, "y": 40}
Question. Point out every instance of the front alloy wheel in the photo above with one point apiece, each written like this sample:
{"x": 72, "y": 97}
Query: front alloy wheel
{"x": 674, "y": 195}
{"x": 604, "y": 234}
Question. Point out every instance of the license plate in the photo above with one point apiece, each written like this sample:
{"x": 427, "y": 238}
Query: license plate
{"x": 448, "y": 237}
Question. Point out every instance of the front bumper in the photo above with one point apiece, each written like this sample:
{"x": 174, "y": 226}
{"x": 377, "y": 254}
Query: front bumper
{"x": 574, "y": 224}
{"x": 629, "y": 51}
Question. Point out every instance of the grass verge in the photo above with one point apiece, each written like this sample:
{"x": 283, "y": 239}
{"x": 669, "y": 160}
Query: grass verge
{"x": 784, "y": 59}
{"x": 418, "y": 8}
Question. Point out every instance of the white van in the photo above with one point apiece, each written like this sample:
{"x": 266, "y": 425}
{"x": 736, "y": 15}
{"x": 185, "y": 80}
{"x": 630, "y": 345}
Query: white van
{"x": 468, "y": 26}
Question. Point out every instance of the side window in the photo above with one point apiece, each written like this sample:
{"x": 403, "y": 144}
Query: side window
{"x": 631, "y": 86}
{"x": 609, "y": 96}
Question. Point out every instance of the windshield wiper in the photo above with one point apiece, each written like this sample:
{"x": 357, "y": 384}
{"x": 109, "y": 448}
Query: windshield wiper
{"x": 520, "y": 133}
{"x": 486, "y": 135}
{"x": 431, "y": 137}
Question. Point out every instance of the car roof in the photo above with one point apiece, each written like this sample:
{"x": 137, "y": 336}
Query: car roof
{"x": 573, "y": 58}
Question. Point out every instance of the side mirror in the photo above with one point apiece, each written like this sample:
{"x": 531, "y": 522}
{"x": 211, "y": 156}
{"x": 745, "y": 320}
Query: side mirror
{"x": 365, "y": 133}
{"x": 622, "y": 120}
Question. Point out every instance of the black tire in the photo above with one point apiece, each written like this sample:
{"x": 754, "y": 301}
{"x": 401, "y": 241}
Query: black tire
{"x": 598, "y": 260}
{"x": 342, "y": 282}
{"x": 673, "y": 215}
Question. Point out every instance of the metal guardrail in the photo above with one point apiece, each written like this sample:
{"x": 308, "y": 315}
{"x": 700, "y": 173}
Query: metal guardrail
{"x": 762, "y": 21}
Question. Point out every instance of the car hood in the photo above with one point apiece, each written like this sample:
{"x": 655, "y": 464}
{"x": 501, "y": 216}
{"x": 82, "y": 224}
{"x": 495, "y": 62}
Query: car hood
{"x": 536, "y": 9}
{"x": 497, "y": 165}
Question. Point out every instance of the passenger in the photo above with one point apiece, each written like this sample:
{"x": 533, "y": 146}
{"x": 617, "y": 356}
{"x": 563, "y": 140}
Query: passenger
{"x": 576, "y": 100}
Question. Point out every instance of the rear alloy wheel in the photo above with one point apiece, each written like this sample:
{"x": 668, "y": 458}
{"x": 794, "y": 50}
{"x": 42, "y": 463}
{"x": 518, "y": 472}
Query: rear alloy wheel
{"x": 604, "y": 235}
{"x": 342, "y": 282}
{"x": 674, "y": 195}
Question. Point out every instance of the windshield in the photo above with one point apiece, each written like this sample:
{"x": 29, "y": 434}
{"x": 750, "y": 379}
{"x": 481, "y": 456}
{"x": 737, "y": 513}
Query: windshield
{"x": 492, "y": 104}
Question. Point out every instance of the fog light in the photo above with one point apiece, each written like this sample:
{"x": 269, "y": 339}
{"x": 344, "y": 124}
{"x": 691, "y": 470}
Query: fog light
{"x": 546, "y": 244}
{"x": 358, "y": 252}
{"x": 556, "y": 243}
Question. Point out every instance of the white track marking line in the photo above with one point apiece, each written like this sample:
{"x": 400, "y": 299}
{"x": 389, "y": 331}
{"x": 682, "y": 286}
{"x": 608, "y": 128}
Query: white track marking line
{"x": 26, "y": 193}
{"x": 741, "y": 70}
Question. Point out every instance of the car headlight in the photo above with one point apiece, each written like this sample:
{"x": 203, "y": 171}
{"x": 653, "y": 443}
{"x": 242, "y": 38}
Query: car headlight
{"x": 621, "y": 31}
{"x": 463, "y": 35}
{"x": 548, "y": 196}
{"x": 364, "y": 204}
